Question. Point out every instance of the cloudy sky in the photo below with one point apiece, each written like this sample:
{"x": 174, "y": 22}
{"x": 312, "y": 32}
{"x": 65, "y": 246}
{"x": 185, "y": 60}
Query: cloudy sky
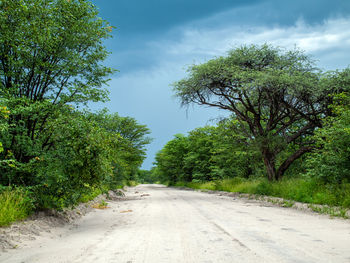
{"x": 155, "y": 41}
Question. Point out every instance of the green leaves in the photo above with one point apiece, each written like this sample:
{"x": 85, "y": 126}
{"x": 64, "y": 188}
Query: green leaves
{"x": 75, "y": 152}
{"x": 276, "y": 94}
{"x": 331, "y": 161}
{"x": 206, "y": 154}
{"x": 53, "y": 49}
{"x": 51, "y": 60}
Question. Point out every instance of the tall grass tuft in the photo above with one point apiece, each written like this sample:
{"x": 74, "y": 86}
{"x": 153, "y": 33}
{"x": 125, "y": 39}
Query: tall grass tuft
{"x": 15, "y": 204}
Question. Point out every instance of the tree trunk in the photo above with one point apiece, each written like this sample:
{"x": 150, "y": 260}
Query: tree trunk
{"x": 285, "y": 165}
{"x": 269, "y": 161}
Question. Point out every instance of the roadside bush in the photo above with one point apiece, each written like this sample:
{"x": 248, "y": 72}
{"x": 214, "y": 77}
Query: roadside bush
{"x": 90, "y": 195}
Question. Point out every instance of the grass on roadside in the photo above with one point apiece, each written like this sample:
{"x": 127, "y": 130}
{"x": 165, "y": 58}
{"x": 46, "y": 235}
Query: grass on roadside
{"x": 15, "y": 204}
{"x": 131, "y": 183}
{"x": 301, "y": 190}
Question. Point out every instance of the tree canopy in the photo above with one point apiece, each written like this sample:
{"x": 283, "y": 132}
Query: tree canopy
{"x": 276, "y": 95}
{"x": 52, "y": 49}
{"x": 51, "y": 55}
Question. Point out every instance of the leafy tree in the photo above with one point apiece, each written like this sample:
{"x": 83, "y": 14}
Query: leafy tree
{"x": 85, "y": 153}
{"x": 170, "y": 161}
{"x": 198, "y": 160}
{"x": 330, "y": 162}
{"x": 80, "y": 159}
{"x": 4, "y": 114}
{"x": 52, "y": 49}
{"x": 275, "y": 94}
{"x": 233, "y": 153}
{"x": 207, "y": 154}
{"x": 50, "y": 55}
{"x": 133, "y": 138}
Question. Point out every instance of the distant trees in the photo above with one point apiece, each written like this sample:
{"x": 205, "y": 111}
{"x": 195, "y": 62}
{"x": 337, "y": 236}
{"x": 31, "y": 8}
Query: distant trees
{"x": 129, "y": 150}
{"x": 206, "y": 154}
{"x": 277, "y": 97}
{"x": 170, "y": 160}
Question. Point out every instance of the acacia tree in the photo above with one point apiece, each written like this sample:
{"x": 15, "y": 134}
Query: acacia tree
{"x": 275, "y": 94}
{"x": 50, "y": 55}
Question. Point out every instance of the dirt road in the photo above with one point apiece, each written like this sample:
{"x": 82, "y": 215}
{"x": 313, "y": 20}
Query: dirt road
{"x": 161, "y": 224}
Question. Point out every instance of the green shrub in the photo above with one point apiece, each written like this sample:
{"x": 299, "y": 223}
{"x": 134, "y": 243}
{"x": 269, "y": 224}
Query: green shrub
{"x": 131, "y": 183}
{"x": 88, "y": 196}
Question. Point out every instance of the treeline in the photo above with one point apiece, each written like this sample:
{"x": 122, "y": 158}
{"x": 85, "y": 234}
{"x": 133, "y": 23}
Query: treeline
{"x": 87, "y": 152}
{"x": 207, "y": 154}
{"x": 217, "y": 152}
{"x": 288, "y": 120}
{"x": 54, "y": 152}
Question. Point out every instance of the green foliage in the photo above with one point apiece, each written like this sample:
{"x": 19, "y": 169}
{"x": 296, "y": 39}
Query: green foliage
{"x": 206, "y": 154}
{"x": 156, "y": 175}
{"x": 90, "y": 195}
{"x": 288, "y": 119}
{"x": 52, "y": 49}
{"x": 277, "y": 96}
{"x": 237, "y": 185}
{"x": 3, "y": 123}
{"x": 146, "y": 177}
{"x": 15, "y": 204}
{"x": 331, "y": 161}
{"x": 233, "y": 155}
{"x": 84, "y": 154}
{"x": 132, "y": 138}
{"x": 224, "y": 148}
{"x": 82, "y": 158}
{"x": 283, "y": 119}
{"x": 79, "y": 159}
{"x": 51, "y": 55}
{"x": 131, "y": 183}
{"x": 170, "y": 160}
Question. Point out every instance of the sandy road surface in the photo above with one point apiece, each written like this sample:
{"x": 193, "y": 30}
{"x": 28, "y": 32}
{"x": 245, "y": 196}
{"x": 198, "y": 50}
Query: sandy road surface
{"x": 168, "y": 225}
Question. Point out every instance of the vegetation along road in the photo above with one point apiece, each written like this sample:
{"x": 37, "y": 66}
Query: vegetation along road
{"x": 159, "y": 224}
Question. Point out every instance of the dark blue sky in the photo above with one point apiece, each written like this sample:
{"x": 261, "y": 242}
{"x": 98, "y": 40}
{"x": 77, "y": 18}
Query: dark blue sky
{"x": 155, "y": 40}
